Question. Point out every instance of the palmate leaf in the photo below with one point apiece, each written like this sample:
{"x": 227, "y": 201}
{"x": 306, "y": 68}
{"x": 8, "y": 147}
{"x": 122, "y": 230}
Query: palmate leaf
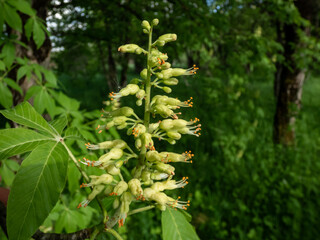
{"x": 36, "y": 189}
{"x": 25, "y": 114}
{"x": 19, "y": 140}
{"x": 175, "y": 226}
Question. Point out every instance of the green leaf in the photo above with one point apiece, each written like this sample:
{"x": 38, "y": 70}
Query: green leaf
{"x": 67, "y": 102}
{"x": 15, "y": 141}
{"x": 5, "y": 96}
{"x": 38, "y": 34}
{"x": 12, "y": 17}
{"x": 175, "y": 226}
{"x": 28, "y": 27}
{"x": 13, "y": 85}
{"x": 1, "y": 18}
{"x": 9, "y": 52}
{"x": 36, "y": 189}
{"x": 50, "y": 78}
{"x": 73, "y": 177}
{"x": 60, "y": 123}
{"x": 22, "y": 71}
{"x": 73, "y": 133}
{"x": 23, "y": 6}
{"x": 32, "y": 91}
{"x": 6, "y": 174}
{"x": 38, "y": 102}
{"x": 2, "y": 66}
{"x": 25, "y": 114}
{"x": 13, "y": 165}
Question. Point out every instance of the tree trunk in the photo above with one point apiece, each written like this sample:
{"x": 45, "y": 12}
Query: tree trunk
{"x": 38, "y": 56}
{"x": 289, "y": 77}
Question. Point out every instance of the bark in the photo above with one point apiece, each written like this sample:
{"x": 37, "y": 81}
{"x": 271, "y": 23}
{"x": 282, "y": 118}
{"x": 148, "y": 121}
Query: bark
{"x": 38, "y": 56}
{"x": 289, "y": 77}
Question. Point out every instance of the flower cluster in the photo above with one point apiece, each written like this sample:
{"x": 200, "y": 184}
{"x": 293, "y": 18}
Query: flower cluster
{"x": 153, "y": 172}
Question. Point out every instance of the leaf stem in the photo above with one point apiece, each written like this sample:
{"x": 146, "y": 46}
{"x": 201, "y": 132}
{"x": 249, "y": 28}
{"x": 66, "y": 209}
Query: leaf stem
{"x": 114, "y": 233}
{"x": 140, "y": 210}
{"x": 94, "y": 234}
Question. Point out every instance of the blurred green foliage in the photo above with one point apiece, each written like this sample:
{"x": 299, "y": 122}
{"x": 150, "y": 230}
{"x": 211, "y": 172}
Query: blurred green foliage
{"x": 242, "y": 186}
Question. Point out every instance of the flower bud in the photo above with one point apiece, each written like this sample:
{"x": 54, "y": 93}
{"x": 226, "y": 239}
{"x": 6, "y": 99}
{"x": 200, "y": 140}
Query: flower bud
{"x": 171, "y": 81}
{"x": 118, "y": 164}
{"x": 166, "y": 168}
{"x": 155, "y": 22}
{"x": 163, "y": 110}
{"x": 135, "y": 187}
{"x": 116, "y": 203}
{"x": 144, "y": 73}
{"x": 171, "y": 141}
{"x": 126, "y": 200}
{"x": 131, "y": 48}
{"x": 95, "y": 191}
{"x": 169, "y": 37}
{"x": 139, "y": 102}
{"x": 115, "y": 153}
{"x": 148, "y": 192}
{"x": 146, "y": 177}
{"x": 159, "y": 175}
{"x": 112, "y": 169}
{"x": 174, "y": 135}
{"x": 129, "y": 89}
{"x": 153, "y": 126}
{"x": 120, "y": 188}
{"x": 138, "y": 143}
{"x": 153, "y": 156}
{"x": 166, "y": 124}
{"x": 145, "y": 24}
{"x": 103, "y": 179}
{"x": 145, "y": 31}
{"x": 167, "y": 89}
{"x": 141, "y": 93}
{"x": 146, "y": 139}
{"x": 179, "y": 123}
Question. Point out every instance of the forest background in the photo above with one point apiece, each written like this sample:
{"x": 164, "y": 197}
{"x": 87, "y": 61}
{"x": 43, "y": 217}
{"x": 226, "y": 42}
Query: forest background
{"x": 256, "y": 169}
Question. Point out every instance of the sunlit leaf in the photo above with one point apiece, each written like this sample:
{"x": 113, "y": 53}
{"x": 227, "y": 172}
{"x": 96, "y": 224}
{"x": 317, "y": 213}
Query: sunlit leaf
{"x": 36, "y": 189}
{"x": 175, "y": 226}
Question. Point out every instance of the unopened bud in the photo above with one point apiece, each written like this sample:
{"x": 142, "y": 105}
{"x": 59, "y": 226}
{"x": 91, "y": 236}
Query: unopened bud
{"x": 145, "y": 24}
{"x": 174, "y": 135}
{"x": 135, "y": 187}
{"x": 112, "y": 169}
{"x": 120, "y": 188}
{"x": 167, "y": 89}
{"x": 144, "y": 73}
{"x": 166, "y": 168}
{"x": 131, "y": 48}
{"x": 116, "y": 203}
{"x": 153, "y": 156}
{"x": 159, "y": 175}
{"x": 129, "y": 89}
{"x": 155, "y": 22}
{"x": 169, "y": 37}
{"x": 171, "y": 81}
{"x": 166, "y": 124}
{"x": 141, "y": 93}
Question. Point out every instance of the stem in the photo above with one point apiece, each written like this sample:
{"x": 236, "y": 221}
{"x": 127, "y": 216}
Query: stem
{"x": 142, "y": 155}
{"x": 140, "y": 210}
{"x": 85, "y": 176}
{"x": 114, "y": 233}
{"x": 94, "y": 234}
